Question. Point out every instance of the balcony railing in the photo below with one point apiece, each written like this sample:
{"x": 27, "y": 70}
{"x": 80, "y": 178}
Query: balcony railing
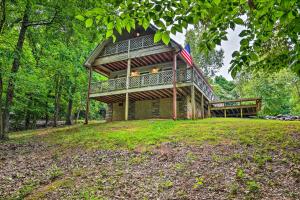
{"x": 135, "y": 43}
{"x": 149, "y": 80}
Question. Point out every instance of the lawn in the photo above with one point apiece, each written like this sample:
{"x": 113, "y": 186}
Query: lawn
{"x": 149, "y": 159}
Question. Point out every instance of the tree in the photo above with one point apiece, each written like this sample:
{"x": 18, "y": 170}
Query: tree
{"x": 275, "y": 89}
{"x": 25, "y": 24}
{"x": 39, "y": 48}
{"x": 262, "y": 21}
{"x": 209, "y": 62}
{"x": 224, "y": 89}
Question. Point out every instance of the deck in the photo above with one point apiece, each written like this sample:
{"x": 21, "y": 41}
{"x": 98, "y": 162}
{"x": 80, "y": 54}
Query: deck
{"x": 235, "y": 108}
{"x": 160, "y": 80}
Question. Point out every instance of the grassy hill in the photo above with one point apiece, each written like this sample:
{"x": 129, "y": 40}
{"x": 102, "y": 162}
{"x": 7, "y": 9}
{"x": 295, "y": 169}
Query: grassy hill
{"x": 211, "y": 158}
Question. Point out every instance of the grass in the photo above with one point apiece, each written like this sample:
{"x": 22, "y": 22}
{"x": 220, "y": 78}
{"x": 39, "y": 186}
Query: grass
{"x": 146, "y": 133}
{"x": 264, "y": 142}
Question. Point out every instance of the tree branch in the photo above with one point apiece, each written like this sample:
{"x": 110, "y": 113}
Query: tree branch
{"x": 43, "y": 22}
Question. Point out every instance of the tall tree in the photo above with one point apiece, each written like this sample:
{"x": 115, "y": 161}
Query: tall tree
{"x": 210, "y": 62}
{"x": 2, "y": 21}
{"x": 25, "y": 24}
{"x": 224, "y": 89}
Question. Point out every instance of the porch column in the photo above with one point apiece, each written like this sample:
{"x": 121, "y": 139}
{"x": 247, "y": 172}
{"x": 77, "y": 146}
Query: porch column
{"x": 87, "y": 109}
{"x": 241, "y": 109}
{"x": 127, "y": 86}
{"x": 193, "y": 102}
{"x": 202, "y": 106}
{"x": 174, "y": 87}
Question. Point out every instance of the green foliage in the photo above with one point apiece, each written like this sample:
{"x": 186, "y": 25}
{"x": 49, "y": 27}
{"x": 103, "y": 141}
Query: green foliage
{"x": 199, "y": 182}
{"x": 278, "y": 90}
{"x": 26, "y": 189}
{"x": 52, "y": 55}
{"x": 253, "y": 186}
{"x": 54, "y": 172}
{"x": 262, "y": 21}
{"x": 167, "y": 184}
{"x": 209, "y": 62}
{"x": 240, "y": 174}
{"x": 224, "y": 89}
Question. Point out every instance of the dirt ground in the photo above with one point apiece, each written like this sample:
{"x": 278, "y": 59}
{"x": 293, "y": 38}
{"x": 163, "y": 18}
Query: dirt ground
{"x": 168, "y": 171}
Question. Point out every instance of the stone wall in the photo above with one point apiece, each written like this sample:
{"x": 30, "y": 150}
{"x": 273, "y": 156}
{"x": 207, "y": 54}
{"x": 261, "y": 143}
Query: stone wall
{"x": 108, "y": 116}
{"x": 131, "y": 110}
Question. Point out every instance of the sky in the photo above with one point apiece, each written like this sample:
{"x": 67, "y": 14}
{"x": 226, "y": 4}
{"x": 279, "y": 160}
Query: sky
{"x": 229, "y": 46}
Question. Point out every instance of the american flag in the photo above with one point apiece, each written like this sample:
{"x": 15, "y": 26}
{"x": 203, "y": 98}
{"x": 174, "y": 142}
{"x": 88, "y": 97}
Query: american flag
{"x": 186, "y": 54}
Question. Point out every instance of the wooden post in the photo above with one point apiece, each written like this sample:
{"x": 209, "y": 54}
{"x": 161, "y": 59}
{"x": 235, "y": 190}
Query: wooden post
{"x": 127, "y": 82}
{"x": 193, "y": 102}
{"x": 127, "y": 86}
{"x": 202, "y": 106}
{"x": 225, "y": 113}
{"x": 174, "y": 86}
{"x": 87, "y": 110}
{"x": 241, "y": 109}
{"x": 209, "y": 113}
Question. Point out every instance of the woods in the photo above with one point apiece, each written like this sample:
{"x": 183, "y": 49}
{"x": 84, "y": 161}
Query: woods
{"x": 42, "y": 49}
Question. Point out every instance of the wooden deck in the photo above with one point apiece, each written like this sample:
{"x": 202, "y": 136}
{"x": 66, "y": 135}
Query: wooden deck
{"x": 245, "y": 107}
{"x": 148, "y": 82}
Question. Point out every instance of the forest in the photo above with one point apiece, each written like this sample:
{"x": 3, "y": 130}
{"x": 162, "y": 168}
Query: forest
{"x": 43, "y": 45}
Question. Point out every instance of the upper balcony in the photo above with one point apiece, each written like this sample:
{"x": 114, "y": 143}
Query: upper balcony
{"x": 164, "y": 78}
{"x": 134, "y": 44}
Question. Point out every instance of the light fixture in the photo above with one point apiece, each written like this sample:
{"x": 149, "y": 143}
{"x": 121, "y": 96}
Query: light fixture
{"x": 134, "y": 73}
{"x": 154, "y": 70}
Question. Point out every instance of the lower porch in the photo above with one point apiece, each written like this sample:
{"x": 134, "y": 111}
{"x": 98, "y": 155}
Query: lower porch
{"x": 157, "y": 103}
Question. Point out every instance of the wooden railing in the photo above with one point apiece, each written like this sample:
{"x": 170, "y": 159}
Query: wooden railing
{"x": 203, "y": 85}
{"x": 134, "y": 43}
{"x": 148, "y": 80}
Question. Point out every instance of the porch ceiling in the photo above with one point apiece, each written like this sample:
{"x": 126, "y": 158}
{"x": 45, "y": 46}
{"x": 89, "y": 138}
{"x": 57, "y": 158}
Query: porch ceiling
{"x": 139, "y": 62}
{"x": 147, "y": 95}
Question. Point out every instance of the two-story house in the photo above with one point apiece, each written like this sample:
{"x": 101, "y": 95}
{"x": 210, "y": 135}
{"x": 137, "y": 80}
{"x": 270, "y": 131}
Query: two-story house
{"x": 147, "y": 79}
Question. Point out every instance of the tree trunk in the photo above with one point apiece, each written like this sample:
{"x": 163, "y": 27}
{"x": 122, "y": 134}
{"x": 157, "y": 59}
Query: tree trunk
{"x": 2, "y": 133}
{"x": 27, "y": 112}
{"x": 15, "y": 67}
{"x": 70, "y": 105}
{"x": 3, "y": 15}
{"x": 47, "y": 115}
{"x": 2, "y": 21}
{"x": 69, "y": 112}
{"x": 58, "y": 88}
{"x": 77, "y": 117}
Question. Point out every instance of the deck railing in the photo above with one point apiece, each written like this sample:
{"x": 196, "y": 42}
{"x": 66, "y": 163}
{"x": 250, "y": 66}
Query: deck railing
{"x": 134, "y": 43}
{"x": 156, "y": 79}
{"x": 202, "y": 84}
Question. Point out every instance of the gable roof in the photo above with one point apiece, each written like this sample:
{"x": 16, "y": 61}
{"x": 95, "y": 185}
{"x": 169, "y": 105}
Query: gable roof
{"x": 90, "y": 60}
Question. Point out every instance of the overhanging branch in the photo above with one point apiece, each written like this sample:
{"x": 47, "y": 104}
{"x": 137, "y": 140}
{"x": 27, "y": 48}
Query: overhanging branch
{"x": 43, "y": 22}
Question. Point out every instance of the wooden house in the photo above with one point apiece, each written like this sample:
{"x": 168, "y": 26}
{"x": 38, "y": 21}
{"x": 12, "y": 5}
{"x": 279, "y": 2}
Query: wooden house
{"x": 147, "y": 79}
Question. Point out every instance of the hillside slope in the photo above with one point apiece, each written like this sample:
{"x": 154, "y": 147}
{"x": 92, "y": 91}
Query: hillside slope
{"x": 150, "y": 159}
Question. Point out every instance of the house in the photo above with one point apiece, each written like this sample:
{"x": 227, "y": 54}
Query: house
{"x": 147, "y": 79}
